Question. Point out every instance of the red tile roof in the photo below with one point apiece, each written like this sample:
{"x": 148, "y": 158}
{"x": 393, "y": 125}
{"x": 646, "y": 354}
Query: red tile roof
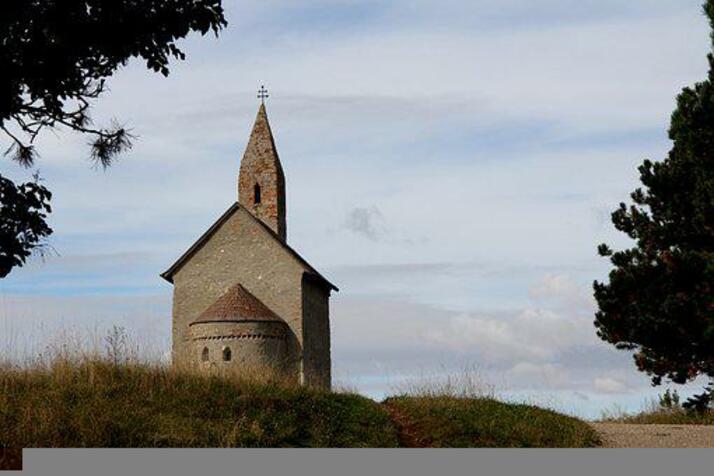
{"x": 236, "y": 305}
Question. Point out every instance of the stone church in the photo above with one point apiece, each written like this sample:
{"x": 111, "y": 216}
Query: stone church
{"x": 243, "y": 298}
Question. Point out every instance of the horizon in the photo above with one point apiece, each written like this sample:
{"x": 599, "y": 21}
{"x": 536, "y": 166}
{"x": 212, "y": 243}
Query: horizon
{"x": 450, "y": 168}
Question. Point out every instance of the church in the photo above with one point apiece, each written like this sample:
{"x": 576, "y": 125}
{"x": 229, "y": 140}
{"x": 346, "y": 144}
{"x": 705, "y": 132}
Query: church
{"x": 243, "y": 299}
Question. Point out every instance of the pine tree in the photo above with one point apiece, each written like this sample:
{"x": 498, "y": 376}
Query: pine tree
{"x": 659, "y": 301}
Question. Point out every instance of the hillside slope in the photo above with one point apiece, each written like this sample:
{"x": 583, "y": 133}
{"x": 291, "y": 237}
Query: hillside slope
{"x": 450, "y": 422}
{"x": 99, "y": 404}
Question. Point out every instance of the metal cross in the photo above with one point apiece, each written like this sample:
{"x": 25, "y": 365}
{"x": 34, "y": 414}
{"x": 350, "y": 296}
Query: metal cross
{"x": 263, "y": 94}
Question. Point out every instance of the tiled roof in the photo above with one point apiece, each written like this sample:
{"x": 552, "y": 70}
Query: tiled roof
{"x": 238, "y": 304}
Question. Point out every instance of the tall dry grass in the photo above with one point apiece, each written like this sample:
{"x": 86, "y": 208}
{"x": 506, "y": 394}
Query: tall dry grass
{"x": 110, "y": 395}
{"x": 653, "y": 413}
{"x": 100, "y": 403}
{"x": 466, "y": 383}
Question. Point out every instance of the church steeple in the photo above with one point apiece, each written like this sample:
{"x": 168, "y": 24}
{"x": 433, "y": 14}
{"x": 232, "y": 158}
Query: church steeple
{"x": 261, "y": 183}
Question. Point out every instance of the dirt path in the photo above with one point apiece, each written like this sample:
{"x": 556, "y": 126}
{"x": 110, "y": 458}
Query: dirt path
{"x": 407, "y": 434}
{"x": 624, "y": 435}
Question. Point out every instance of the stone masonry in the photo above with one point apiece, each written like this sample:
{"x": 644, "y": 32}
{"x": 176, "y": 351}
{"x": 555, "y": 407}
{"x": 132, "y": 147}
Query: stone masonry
{"x": 261, "y": 182}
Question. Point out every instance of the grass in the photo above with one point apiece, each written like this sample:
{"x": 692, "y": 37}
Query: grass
{"x": 111, "y": 402}
{"x": 664, "y": 410}
{"x": 100, "y": 404}
{"x": 458, "y": 422}
{"x": 660, "y": 416}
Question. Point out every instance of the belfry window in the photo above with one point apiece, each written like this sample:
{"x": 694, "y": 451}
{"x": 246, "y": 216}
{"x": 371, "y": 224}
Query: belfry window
{"x": 227, "y": 354}
{"x": 204, "y": 355}
{"x": 256, "y": 194}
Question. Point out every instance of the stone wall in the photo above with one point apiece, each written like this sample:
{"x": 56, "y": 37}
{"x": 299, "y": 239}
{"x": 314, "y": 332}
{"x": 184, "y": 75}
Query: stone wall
{"x": 261, "y": 166}
{"x": 240, "y": 251}
{"x": 254, "y": 347}
{"x": 316, "y": 333}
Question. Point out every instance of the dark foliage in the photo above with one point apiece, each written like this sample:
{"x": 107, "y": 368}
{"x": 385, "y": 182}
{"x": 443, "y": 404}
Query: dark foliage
{"x": 659, "y": 301}
{"x": 55, "y": 57}
{"x": 23, "y": 209}
{"x": 56, "y": 54}
{"x": 701, "y": 404}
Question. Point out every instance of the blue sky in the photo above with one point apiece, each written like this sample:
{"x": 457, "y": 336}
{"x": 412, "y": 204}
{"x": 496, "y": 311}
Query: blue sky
{"x": 450, "y": 165}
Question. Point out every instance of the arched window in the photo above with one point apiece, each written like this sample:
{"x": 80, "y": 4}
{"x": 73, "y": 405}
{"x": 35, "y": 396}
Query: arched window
{"x": 256, "y": 194}
{"x": 227, "y": 354}
{"x": 204, "y": 355}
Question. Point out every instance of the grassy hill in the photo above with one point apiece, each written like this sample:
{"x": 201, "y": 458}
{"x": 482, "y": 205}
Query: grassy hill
{"x": 449, "y": 422}
{"x": 100, "y": 404}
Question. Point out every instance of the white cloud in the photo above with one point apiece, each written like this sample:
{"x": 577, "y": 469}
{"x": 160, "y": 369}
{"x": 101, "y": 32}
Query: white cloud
{"x": 551, "y": 376}
{"x": 554, "y": 285}
{"x": 500, "y": 338}
{"x": 562, "y": 290}
{"x": 609, "y": 385}
{"x": 535, "y": 334}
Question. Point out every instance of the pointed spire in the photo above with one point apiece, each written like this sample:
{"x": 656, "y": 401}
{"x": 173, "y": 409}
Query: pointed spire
{"x": 261, "y": 182}
{"x": 261, "y": 143}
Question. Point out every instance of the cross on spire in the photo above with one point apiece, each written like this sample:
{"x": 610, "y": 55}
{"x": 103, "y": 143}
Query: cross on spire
{"x": 263, "y": 94}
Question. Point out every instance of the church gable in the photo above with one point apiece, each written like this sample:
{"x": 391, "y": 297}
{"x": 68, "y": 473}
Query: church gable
{"x": 256, "y": 224}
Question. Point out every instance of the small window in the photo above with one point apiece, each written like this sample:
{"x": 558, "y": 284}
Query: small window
{"x": 227, "y": 354}
{"x": 204, "y": 355}
{"x": 256, "y": 194}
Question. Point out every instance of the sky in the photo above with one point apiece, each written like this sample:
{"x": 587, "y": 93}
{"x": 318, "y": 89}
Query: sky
{"x": 451, "y": 166}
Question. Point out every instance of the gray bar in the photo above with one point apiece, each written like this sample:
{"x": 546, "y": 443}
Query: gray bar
{"x": 364, "y": 462}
